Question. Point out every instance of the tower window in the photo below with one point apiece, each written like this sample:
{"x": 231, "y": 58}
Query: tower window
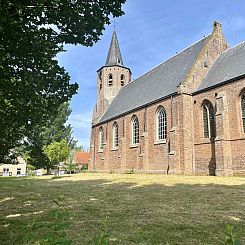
{"x": 122, "y": 80}
{"x": 208, "y": 120}
{"x": 135, "y": 130}
{"x": 118, "y": 61}
{"x": 100, "y": 86}
{"x": 110, "y": 81}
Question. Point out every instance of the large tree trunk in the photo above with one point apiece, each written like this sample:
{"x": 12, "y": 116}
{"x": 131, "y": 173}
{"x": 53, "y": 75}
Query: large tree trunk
{"x": 48, "y": 170}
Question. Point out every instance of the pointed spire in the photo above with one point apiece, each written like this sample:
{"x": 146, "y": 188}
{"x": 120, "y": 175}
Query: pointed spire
{"x": 114, "y": 56}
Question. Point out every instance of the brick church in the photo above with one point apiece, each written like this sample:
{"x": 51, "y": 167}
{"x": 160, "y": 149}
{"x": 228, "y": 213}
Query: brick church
{"x": 185, "y": 116}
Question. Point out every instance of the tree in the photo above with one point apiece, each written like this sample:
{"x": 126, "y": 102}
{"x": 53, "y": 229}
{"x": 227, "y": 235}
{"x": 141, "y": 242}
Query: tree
{"x": 32, "y": 84}
{"x": 55, "y": 129}
{"x": 57, "y": 152}
{"x": 79, "y": 148}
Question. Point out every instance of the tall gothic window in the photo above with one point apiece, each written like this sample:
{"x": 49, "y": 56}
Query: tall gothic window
{"x": 135, "y": 130}
{"x": 208, "y": 120}
{"x": 110, "y": 81}
{"x": 243, "y": 111}
{"x": 101, "y": 139}
{"x": 115, "y": 135}
{"x": 161, "y": 124}
{"x": 122, "y": 80}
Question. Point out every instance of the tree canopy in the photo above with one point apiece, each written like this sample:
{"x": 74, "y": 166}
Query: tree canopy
{"x": 32, "y": 84}
{"x": 55, "y": 129}
{"x": 57, "y": 151}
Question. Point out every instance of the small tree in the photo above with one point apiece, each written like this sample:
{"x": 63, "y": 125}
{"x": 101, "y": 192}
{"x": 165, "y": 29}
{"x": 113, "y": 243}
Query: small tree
{"x": 57, "y": 152}
{"x": 30, "y": 169}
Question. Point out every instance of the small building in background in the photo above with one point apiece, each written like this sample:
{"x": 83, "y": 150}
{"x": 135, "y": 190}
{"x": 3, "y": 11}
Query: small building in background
{"x": 80, "y": 158}
{"x": 14, "y": 170}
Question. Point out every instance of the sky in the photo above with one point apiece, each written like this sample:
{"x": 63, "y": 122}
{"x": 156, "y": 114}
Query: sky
{"x": 150, "y": 32}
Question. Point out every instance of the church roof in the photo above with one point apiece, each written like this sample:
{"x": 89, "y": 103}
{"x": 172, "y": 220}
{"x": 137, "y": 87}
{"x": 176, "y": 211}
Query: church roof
{"x": 114, "y": 56}
{"x": 158, "y": 83}
{"x": 229, "y": 65}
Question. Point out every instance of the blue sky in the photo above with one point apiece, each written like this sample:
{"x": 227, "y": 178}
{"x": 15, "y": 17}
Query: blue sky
{"x": 149, "y": 33}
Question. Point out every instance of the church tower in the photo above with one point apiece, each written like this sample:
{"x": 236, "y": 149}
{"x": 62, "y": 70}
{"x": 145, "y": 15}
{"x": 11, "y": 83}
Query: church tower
{"x": 110, "y": 78}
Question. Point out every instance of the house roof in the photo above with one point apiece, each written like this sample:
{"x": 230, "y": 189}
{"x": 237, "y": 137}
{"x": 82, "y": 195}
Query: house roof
{"x": 114, "y": 56}
{"x": 158, "y": 83}
{"x": 229, "y": 65}
{"x": 81, "y": 157}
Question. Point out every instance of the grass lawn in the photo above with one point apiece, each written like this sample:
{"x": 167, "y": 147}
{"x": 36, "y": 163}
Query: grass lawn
{"x": 129, "y": 209}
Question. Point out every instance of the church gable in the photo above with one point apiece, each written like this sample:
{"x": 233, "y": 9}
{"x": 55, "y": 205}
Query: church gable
{"x": 228, "y": 66}
{"x": 215, "y": 45}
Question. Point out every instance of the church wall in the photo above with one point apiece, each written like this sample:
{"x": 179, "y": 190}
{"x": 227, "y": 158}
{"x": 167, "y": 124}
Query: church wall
{"x": 228, "y": 149}
{"x": 157, "y": 153}
{"x": 149, "y": 155}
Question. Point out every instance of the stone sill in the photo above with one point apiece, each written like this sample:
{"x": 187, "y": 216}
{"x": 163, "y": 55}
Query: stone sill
{"x": 134, "y": 146}
{"x": 100, "y": 151}
{"x": 114, "y": 149}
{"x": 160, "y": 142}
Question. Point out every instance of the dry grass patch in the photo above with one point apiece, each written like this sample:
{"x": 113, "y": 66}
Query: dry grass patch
{"x": 129, "y": 209}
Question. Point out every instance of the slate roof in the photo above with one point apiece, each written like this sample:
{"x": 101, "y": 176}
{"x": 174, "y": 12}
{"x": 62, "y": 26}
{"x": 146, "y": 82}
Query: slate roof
{"x": 114, "y": 56}
{"x": 229, "y": 65}
{"x": 158, "y": 83}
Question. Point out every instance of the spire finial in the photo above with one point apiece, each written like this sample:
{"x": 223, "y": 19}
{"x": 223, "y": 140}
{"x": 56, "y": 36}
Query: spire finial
{"x": 114, "y": 23}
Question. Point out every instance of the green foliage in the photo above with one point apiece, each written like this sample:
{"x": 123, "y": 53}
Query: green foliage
{"x": 230, "y": 236}
{"x": 57, "y": 151}
{"x": 55, "y": 129}
{"x": 71, "y": 167}
{"x": 101, "y": 239}
{"x": 32, "y": 84}
{"x": 79, "y": 148}
{"x": 30, "y": 169}
{"x": 84, "y": 168}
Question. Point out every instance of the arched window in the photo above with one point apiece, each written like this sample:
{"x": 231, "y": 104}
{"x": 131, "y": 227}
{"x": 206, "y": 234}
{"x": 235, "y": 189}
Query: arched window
{"x": 161, "y": 124}
{"x": 243, "y": 111}
{"x": 101, "y": 139}
{"x": 115, "y": 135}
{"x": 110, "y": 81}
{"x": 208, "y": 120}
{"x": 135, "y": 130}
{"x": 122, "y": 80}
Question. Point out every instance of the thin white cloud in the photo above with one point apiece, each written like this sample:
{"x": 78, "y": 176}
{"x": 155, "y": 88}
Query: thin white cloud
{"x": 81, "y": 120}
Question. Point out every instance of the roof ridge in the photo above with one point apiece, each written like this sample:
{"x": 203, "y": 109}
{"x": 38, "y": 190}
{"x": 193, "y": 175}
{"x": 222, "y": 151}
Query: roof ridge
{"x": 171, "y": 57}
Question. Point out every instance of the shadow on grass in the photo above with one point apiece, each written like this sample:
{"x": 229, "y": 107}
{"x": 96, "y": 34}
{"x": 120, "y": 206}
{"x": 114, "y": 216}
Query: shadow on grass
{"x": 127, "y": 213}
